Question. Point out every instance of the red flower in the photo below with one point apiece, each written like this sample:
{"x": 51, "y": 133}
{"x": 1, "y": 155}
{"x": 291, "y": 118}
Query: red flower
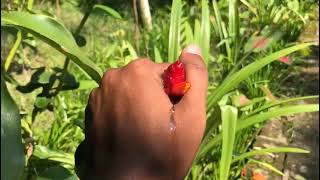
{"x": 285, "y": 60}
{"x": 174, "y": 80}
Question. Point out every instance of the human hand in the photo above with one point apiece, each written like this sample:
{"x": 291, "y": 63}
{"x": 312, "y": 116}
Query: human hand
{"x": 128, "y": 122}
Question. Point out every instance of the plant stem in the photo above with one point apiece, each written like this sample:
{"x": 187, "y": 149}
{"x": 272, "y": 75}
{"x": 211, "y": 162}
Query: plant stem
{"x": 83, "y": 21}
{"x": 67, "y": 60}
{"x": 136, "y": 26}
{"x": 13, "y": 51}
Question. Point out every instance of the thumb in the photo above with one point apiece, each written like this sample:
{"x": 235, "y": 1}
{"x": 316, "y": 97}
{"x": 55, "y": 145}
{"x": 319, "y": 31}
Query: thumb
{"x": 196, "y": 75}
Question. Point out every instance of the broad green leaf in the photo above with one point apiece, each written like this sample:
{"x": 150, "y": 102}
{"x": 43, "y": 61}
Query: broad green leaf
{"x": 267, "y": 151}
{"x": 174, "y": 32}
{"x": 87, "y": 84}
{"x": 43, "y": 152}
{"x": 12, "y": 155}
{"x": 229, "y": 116}
{"x": 53, "y": 33}
{"x": 56, "y": 173}
{"x": 107, "y": 10}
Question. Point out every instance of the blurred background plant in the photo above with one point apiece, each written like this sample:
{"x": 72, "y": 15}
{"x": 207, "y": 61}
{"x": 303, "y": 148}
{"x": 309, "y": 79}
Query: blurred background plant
{"x": 54, "y": 52}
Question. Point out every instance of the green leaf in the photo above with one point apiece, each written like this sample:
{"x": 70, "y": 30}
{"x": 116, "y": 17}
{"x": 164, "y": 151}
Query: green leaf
{"x": 283, "y": 111}
{"x": 246, "y": 122}
{"x": 218, "y": 18}
{"x": 267, "y": 165}
{"x": 107, "y": 10}
{"x": 12, "y": 155}
{"x": 87, "y": 84}
{"x": 205, "y": 31}
{"x": 269, "y": 150}
{"x": 43, "y": 152}
{"x": 187, "y": 34}
{"x": 277, "y": 103}
{"x": 197, "y": 32}
{"x": 232, "y": 81}
{"x": 57, "y": 173}
{"x": 157, "y": 56}
{"x": 234, "y": 29}
{"x": 55, "y": 34}
{"x": 174, "y": 32}
{"x": 229, "y": 116}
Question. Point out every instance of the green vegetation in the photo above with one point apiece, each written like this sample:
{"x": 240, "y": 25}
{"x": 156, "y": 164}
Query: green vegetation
{"x": 53, "y": 56}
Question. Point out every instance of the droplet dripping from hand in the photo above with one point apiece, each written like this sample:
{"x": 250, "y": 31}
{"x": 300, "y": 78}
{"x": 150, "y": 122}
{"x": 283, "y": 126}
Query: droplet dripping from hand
{"x": 172, "y": 123}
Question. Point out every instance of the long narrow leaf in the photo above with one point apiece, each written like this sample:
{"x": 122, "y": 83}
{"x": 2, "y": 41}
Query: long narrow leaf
{"x": 267, "y": 165}
{"x": 234, "y": 28}
{"x": 205, "y": 31}
{"x": 157, "y": 56}
{"x": 107, "y": 10}
{"x": 218, "y": 18}
{"x": 269, "y": 150}
{"x": 229, "y": 120}
{"x": 244, "y": 123}
{"x": 231, "y": 82}
{"x": 284, "y": 111}
{"x": 197, "y": 32}
{"x": 174, "y": 32}
{"x": 280, "y": 102}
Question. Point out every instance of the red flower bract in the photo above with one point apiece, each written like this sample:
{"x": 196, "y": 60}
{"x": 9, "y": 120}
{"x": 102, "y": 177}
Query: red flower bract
{"x": 174, "y": 80}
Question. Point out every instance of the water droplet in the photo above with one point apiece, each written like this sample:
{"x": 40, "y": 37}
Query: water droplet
{"x": 172, "y": 123}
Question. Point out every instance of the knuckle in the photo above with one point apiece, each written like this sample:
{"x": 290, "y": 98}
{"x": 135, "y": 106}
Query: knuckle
{"x": 108, "y": 77}
{"x": 93, "y": 98}
{"x": 93, "y": 94}
{"x": 139, "y": 65}
{"x": 139, "y": 62}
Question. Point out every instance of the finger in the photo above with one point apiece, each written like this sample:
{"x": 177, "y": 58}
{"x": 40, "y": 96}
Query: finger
{"x": 196, "y": 75}
{"x": 190, "y": 112}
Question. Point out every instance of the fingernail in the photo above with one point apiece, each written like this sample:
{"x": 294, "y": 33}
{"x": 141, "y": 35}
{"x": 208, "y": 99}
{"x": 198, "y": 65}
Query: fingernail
{"x": 192, "y": 49}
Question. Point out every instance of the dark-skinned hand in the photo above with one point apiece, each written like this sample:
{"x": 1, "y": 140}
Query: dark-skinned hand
{"x": 127, "y": 134}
